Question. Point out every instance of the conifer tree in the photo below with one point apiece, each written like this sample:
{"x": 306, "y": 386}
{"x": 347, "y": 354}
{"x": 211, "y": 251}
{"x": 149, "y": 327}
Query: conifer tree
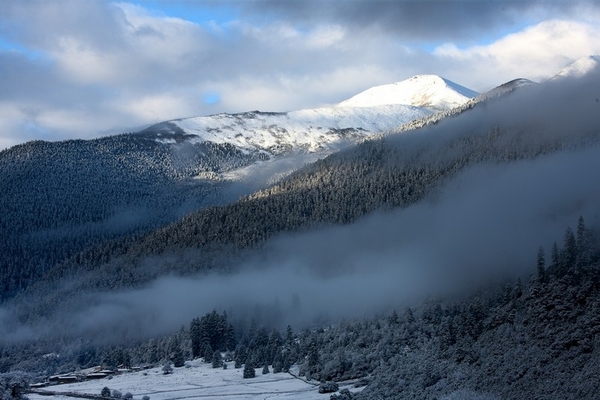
{"x": 555, "y": 257}
{"x": 175, "y": 352}
{"x": 518, "y": 290}
{"x": 569, "y": 252}
{"x": 541, "y": 266}
{"x": 409, "y": 317}
{"x": 580, "y": 233}
{"x": 167, "y": 369}
{"x": 217, "y": 360}
{"x": 314, "y": 361}
{"x": 249, "y": 371}
{"x": 207, "y": 352}
{"x": 277, "y": 363}
{"x": 196, "y": 338}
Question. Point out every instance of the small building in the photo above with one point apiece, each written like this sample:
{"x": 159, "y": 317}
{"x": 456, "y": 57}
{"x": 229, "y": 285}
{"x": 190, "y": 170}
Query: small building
{"x": 96, "y": 375}
{"x": 68, "y": 379}
{"x": 106, "y": 371}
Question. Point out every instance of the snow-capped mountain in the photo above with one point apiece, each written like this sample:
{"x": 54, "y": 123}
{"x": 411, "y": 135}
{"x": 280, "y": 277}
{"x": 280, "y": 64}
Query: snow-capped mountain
{"x": 309, "y": 130}
{"x": 314, "y": 133}
{"x": 430, "y": 91}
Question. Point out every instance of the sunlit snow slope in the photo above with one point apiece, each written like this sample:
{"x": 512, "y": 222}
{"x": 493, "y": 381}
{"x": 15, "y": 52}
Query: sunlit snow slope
{"x": 429, "y": 91}
{"x": 310, "y": 130}
{"x": 581, "y": 67}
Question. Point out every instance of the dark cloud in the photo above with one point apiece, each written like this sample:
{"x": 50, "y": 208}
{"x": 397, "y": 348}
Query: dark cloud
{"x": 415, "y": 19}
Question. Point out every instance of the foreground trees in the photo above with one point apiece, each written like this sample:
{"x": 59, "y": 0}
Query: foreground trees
{"x": 536, "y": 336}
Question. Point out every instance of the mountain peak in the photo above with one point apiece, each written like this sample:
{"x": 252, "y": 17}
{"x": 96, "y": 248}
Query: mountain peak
{"x": 505, "y": 88}
{"x": 429, "y": 91}
{"x": 580, "y": 67}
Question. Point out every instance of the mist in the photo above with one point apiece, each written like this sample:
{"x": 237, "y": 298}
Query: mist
{"x": 484, "y": 225}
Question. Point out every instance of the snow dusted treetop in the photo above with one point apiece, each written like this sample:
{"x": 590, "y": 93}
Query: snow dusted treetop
{"x": 430, "y": 91}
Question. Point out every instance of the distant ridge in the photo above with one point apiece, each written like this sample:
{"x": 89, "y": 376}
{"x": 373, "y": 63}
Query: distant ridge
{"x": 580, "y": 67}
{"x": 505, "y": 88}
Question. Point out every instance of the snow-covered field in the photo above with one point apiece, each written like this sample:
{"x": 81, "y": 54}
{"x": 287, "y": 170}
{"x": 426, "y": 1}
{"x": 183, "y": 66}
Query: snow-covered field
{"x": 198, "y": 380}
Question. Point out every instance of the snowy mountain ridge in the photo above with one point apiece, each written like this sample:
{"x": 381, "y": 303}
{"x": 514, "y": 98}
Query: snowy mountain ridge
{"x": 430, "y": 91}
{"x": 581, "y": 67}
{"x": 317, "y": 132}
{"x": 307, "y": 130}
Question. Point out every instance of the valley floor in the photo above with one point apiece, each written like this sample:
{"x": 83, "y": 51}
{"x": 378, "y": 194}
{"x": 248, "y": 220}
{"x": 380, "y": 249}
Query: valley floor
{"x": 196, "y": 380}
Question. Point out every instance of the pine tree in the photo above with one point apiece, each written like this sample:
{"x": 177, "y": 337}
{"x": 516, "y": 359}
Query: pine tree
{"x": 196, "y": 338}
{"x": 518, "y": 290}
{"x": 569, "y": 252}
{"x": 217, "y": 360}
{"x": 581, "y": 233}
{"x": 583, "y": 245}
{"x": 249, "y": 371}
{"x": 278, "y": 363}
{"x": 207, "y": 352}
{"x": 286, "y": 363}
{"x": 409, "y": 317}
{"x": 447, "y": 334}
{"x": 314, "y": 361}
{"x": 175, "y": 352}
{"x": 265, "y": 369}
{"x": 167, "y": 369}
{"x": 230, "y": 342}
{"x": 152, "y": 352}
{"x": 105, "y": 392}
{"x": 555, "y": 256}
{"x": 541, "y": 266}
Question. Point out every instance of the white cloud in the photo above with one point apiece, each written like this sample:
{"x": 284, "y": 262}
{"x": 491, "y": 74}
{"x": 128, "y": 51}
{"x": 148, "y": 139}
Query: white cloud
{"x": 85, "y": 64}
{"x": 537, "y": 52}
{"x": 157, "y": 107}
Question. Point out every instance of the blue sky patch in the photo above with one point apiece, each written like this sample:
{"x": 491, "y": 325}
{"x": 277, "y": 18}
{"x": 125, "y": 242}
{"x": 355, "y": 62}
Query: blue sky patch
{"x": 10, "y": 46}
{"x": 211, "y": 98}
{"x": 198, "y": 12}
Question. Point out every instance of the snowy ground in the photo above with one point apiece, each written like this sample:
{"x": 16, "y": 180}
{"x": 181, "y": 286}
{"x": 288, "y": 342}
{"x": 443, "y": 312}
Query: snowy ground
{"x": 198, "y": 381}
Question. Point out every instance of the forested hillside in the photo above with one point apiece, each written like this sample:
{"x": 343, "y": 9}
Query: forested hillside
{"x": 59, "y": 198}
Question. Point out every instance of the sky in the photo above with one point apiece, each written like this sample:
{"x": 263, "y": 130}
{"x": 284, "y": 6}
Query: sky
{"x": 88, "y": 68}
